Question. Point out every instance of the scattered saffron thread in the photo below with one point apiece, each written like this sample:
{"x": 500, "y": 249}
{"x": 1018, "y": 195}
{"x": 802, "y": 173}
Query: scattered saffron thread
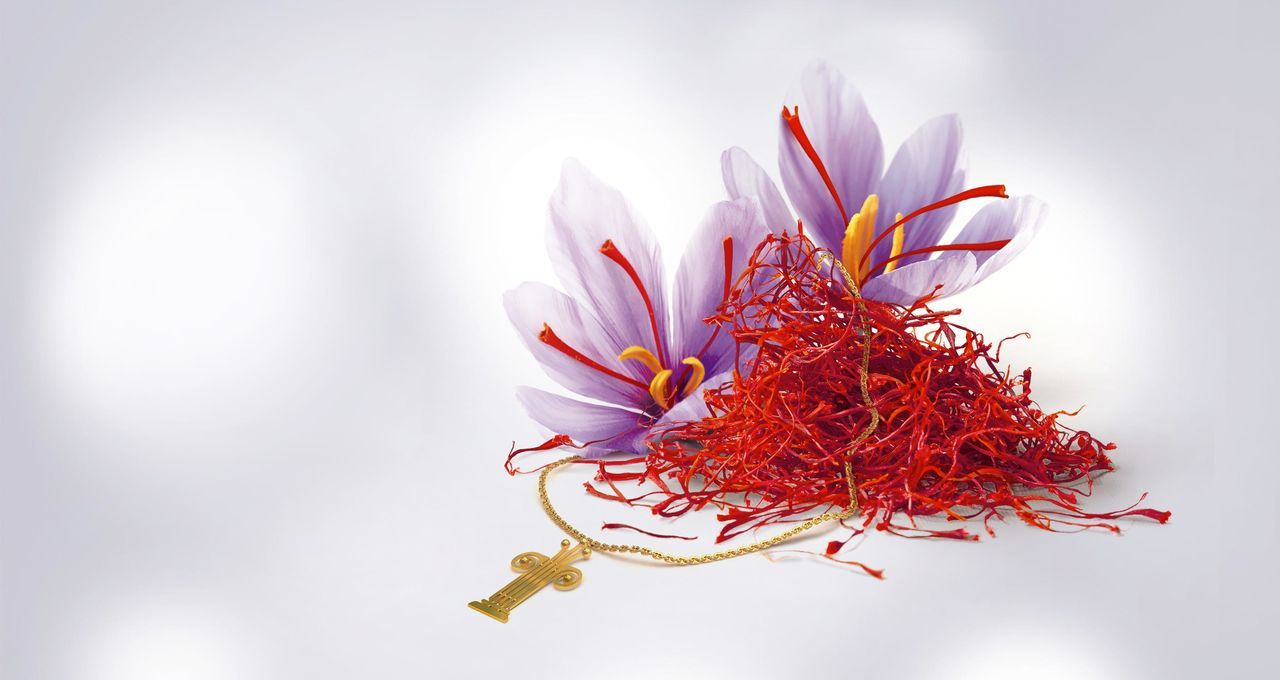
{"x": 616, "y": 525}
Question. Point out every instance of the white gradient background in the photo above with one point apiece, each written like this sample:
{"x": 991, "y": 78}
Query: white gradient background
{"x": 256, "y": 381}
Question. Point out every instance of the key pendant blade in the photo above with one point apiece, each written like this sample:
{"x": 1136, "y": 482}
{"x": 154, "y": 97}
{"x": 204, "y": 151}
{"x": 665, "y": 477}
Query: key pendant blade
{"x": 538, "y": 572}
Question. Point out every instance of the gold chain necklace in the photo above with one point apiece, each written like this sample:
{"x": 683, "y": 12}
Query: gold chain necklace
{"x": 540, "y": 571}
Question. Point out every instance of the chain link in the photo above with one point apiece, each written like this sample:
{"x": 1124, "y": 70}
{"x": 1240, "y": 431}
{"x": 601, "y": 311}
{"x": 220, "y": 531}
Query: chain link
{"x": 808, "y": 524}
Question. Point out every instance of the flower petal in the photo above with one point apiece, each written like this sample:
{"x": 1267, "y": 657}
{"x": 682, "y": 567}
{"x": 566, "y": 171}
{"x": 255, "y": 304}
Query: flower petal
{"x": 907, "y": 284}
{"x": 584, "y": 213}
{"x": 700, "y": 280}
{"x": 608, "y": 429}
{"x": 531, "y": 305}
{"x": 847, "y": 140}
{"x": 694, "y": 406}
{"x": 743, "y": 177}
{"x": 925, "y": 170}
{"x": 1018, "y": 219}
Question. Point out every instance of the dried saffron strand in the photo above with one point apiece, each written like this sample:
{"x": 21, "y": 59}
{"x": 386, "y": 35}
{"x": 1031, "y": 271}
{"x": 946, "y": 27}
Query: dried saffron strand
{"x": 874, "y": 573}
{"x": 960, "y": 438}
{"x": 554, "y": 442}
{"x": 628, "y": 527}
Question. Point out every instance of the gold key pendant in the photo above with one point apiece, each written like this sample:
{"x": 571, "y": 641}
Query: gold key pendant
{"x": 539, "y": 570}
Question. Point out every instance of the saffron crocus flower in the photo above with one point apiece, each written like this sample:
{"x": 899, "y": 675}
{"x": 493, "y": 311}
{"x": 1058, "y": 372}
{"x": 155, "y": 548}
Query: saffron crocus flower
{"x": 831, "y": 168}
{"x": 616, "y": 337}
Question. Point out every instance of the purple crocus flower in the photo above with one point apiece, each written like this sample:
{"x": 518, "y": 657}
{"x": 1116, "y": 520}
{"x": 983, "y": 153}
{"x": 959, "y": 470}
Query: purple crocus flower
{"x": 616, "y": 337}
{"x": 831, "y": 169}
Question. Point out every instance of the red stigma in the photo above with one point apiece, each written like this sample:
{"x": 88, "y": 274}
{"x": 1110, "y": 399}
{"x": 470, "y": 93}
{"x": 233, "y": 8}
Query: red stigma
{"x": 988, "y": 245}
{"x": 611, "y": 251}
{"x": 549, "y": 337}
{"x": 728, "y": 287}
{"x": 728, "y": 265}
{"x": 990, "y": 191}
{"x": 792, "y": 119}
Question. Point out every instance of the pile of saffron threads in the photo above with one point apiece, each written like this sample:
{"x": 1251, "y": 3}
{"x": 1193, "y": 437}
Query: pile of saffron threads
{"x": 958, "y": 438}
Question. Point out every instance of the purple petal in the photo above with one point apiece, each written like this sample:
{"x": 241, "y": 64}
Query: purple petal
{"x": 907, "y": 284}
{"x": 608, "y": 429}
{"x": 531, "y": 305}
{"x": 925, "y": 170}
{"x": 743, "y": 177}
{"x": 847, "y": 140}
{"x": 700, "y": 280}
{"x": 585, "y": 213}
{"x": 693, "y": 407}
{"x": 1018, "y": 219}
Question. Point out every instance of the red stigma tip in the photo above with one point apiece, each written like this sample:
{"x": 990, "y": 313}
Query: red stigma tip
{"x": 988, "y": 191}
{"x": 792, "y": 119}
{"x": 549, "y": 337}
{"x": 609, "y": 250}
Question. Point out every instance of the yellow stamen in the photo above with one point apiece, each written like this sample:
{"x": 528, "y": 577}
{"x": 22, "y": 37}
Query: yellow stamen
{"x": 699, "y": 372}
{"x": 642, "y": 355}
{"x": 658, "y": 388}
{"x": 857, "y": 236}
{"x": 897, "y": 245}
